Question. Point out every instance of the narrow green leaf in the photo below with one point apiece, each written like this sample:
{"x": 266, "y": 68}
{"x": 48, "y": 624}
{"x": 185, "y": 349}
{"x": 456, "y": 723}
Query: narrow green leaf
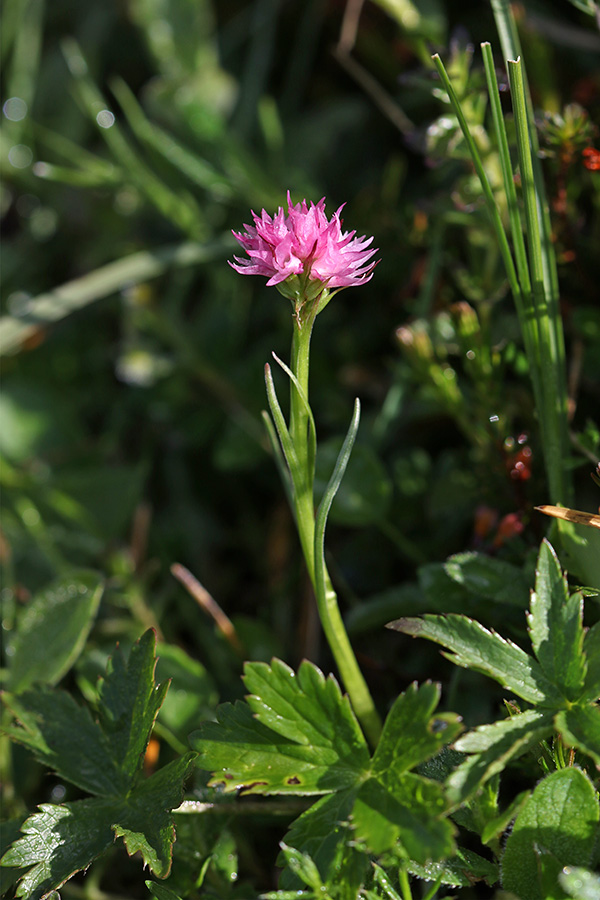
{"x": 498, "y": 825}
{"x": 490, "y": 202}
{"x": 312, "y": 429}
{"x": 53, "y": 630}
{"x": 493, "y": 746}
{"x": 333, "y": 486}
{"x": 304, "y": 867}
{"x": 73, "y": 295}
{"x": 411, "y": 733}
{"x": 474, "y": 647}
{"x": 304, "y": 738}
{"x": 557, "y": 827}
{"x": 556, "y": 625}
{"x": 461, "y": 870}
{"x": 553, "y": 415}
{"x": 161, "y": 891}
{"x": 282, "y": 429}
{"x": 580, "y": 727}
{"x": 509, "y": 183}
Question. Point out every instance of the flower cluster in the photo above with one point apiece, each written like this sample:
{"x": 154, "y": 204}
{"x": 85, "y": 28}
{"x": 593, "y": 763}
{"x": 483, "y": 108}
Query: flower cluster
{"x": 304, "y": 244}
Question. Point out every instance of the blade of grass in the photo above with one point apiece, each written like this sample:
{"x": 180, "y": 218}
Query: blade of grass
{"x": 329, "y": 612}
{"x": 553, "y": 415}
{"x": 312, "y": 441}
{"x": 27, "y": 42}
{"x": 507, "y": 170}
{"x": 279, "y": 457}
{"x": 76, "y": 155}
{"x": 194, "y": 167}
{"x": 179, "y": 208}
{"x": 287, "y": 446}
{"x": 511, "y": 49}
{"x": 73, "y": 295}
{"x": 526, "y": 310}
{"x": 488, "y": 194}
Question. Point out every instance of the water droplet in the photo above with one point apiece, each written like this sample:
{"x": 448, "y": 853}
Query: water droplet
{"x": 470, "y": 354}
{"x": 31, "y": 516}
{"x": 15, "y": 109}
{"x": 105, "y": 118}
{"x": 20, "y": 156}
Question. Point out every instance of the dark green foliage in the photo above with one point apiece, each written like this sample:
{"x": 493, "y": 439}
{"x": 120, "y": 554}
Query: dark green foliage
{"x": 102, "y": 755}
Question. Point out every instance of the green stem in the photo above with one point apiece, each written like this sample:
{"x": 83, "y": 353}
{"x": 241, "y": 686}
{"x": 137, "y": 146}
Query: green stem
{"x": 299, "y": 422}
{"x": 329, "y": 612}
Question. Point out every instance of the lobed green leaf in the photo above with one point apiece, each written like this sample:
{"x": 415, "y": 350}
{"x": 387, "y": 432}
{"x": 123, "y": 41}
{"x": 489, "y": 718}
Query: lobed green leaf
{"x": 129, "y": 703}
{"x": 244, "y": 753}
{"x": 307, "y": 708}
{"x": 474, "y": 647}
{"x": 412, "y": 733}
{"x": 63, "y": 736}
{"x": 62, "y": 840}
{"x": 556, "y": 625}
{"x": 493, "y": 746}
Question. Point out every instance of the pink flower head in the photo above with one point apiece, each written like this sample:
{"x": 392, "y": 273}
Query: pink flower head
{"x": 304, "y": 243}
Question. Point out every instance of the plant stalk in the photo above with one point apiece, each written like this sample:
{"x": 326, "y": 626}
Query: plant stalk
{"x": 327, "y": 604}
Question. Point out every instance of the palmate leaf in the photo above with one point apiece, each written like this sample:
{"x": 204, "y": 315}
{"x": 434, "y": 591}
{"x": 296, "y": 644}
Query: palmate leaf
{"x": 304, "y": 738}
{"x": 100, "y": 756}
{"x": 103, "y": 756}
{"x": 562, "y": 682}
{"x": 61, "y": 840}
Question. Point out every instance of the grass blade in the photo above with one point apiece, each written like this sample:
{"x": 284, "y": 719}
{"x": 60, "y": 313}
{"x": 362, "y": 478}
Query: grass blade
{"x": 312, "y": 441}
{"x": 74, "y": 295}
{"x": 488, "y": 194}
{"x": 553, "y": 414}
